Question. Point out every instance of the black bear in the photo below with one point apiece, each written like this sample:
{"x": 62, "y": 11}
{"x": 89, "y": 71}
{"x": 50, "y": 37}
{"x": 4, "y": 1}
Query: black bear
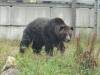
{"x": 46, "y": 32}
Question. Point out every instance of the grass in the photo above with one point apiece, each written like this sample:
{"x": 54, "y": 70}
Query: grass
{"x": 31, "y": 64}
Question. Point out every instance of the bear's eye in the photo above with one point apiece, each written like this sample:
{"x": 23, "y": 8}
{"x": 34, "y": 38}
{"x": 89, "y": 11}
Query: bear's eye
{"x": 62, "y": 27}
{"x": 71, "y": 28}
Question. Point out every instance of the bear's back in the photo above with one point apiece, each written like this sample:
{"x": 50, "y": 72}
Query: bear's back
{"x": 39, "y": 23}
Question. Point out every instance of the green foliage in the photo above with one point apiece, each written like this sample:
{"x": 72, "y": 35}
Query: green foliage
{"x": 31, "y": 64}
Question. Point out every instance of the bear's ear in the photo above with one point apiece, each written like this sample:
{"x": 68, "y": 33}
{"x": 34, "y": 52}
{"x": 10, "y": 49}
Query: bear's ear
{"x": 71, "y": 28}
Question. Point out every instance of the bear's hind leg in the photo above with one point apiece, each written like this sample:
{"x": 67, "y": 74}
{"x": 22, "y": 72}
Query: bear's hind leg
{"x": 37, "y": 47}
{"x": 23, "y": 45}
{"x": 26, "y": 40}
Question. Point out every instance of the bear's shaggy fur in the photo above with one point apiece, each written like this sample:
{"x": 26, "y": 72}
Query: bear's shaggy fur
{"x": 46, "y": 32}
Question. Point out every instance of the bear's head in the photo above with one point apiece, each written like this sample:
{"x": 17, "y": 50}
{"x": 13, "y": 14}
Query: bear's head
{"x": 65, "y": 33}
{"x": 62, "y": 31}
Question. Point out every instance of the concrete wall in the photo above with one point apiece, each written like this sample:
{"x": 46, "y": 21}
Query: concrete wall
{"x": 80, "y": 1}
{"x": 86, "y": 1}
{"x": 99, "y": 23}
{"x": 21, "y": 15}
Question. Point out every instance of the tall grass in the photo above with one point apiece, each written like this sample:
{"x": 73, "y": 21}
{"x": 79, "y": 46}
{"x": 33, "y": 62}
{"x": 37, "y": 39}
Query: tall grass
{"x": 31, "y": 64}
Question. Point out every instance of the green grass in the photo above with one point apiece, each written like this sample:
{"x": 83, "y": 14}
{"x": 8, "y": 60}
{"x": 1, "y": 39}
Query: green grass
{"x": 31, "y": 64}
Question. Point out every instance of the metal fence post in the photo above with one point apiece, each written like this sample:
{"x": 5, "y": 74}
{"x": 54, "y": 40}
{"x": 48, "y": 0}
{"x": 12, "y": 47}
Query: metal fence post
{"x": 74, "y": 15}
{"x": 96, "y": 16}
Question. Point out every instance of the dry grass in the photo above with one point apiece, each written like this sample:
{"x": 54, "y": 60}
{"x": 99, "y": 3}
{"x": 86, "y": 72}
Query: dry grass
{"x": 30, "y": 63}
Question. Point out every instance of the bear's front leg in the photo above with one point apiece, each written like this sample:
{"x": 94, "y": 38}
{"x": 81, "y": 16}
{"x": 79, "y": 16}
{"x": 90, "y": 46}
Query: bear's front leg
{"x": 49, "y": 49}
{"x": 61, "y": 47}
